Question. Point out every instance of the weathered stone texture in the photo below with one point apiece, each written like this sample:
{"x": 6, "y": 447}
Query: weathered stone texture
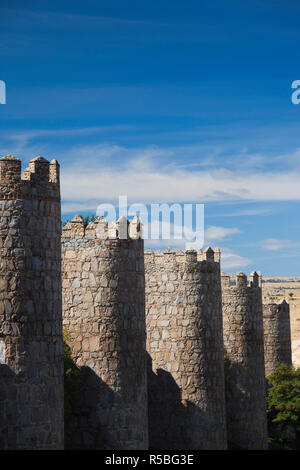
{"x": 31, "y": 362}
{"x": 185, "y": 347}
{"x": 244, "y": 347}
{"x": 277, "y": 335}
{"x": 104, "y": 311}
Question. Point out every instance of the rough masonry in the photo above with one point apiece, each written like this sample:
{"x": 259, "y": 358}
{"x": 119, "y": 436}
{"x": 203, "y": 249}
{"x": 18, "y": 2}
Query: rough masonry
{"x": 104, "y": 312}
{"x": 170, "y": 386}
{"x": 245, "y": 372}
{"x": 31, "y": 361}
{"x": 277, "y": 335}
{"x": 185, "y": 350}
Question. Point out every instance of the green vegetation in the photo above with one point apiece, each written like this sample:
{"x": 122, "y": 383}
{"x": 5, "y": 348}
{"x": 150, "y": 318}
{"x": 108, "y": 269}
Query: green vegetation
{"x": 283, "y": 408}
{"x": 86, "y": 219}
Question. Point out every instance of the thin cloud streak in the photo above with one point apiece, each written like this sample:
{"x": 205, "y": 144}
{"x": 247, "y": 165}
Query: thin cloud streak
{"x": 274, "y": 244}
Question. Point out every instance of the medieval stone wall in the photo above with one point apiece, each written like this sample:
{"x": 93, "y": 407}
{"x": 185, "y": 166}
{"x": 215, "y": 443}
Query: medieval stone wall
{"x": 185, "y": 350}
{"x": 277, "y": 335}
{"x": 245, "y": 372}
{"x": 103, "y": 274}
{"x": 31, "y": 362}
{"x": 104, "y": 313}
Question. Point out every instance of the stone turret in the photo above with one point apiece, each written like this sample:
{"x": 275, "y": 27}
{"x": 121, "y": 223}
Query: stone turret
{"x": 277, "y": 335}
{"x": 244, "y": 349}
{"x": 104, "y": 312}
{"x": 185, "y": 348}
{"x": 31, "y": 361}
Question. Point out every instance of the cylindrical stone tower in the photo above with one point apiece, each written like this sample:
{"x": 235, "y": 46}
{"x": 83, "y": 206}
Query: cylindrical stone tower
{"x": 31, "y": 361}
{"x": 185, "y": 348}
{"x": 277, "y": 335}
{"x": 245, "y": 372}
{"x": 104, "y": 313}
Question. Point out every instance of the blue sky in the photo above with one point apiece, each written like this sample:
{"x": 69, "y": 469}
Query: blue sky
{"x": 164, "y": 101}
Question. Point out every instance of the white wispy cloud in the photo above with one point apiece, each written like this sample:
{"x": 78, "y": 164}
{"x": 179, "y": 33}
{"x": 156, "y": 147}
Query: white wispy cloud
{"x": 93, "y": 173}
{"x": 213, "y": 233}
{"x": 248, "y": 212}
{"x": 273, "y": 244}
{"x": 231, "y": 260}
{"x": 29, "y": 135}
{"x": 141, "y": 181}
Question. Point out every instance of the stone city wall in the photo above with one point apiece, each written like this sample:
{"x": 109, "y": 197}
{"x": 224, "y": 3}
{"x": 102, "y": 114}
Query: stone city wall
{"x": 170, "y": 385}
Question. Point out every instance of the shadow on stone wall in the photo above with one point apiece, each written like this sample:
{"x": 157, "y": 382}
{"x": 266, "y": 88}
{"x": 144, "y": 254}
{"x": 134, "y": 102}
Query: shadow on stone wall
{"x": 99, "y": 417}
{"x": 174, "y": 424}
{"x": 245, "y": 408}
{"x": 8, "y": 412}
{"x": 27, "y": 405}
{"x": 5, "y": 372}
{"x": 85, "y": 424}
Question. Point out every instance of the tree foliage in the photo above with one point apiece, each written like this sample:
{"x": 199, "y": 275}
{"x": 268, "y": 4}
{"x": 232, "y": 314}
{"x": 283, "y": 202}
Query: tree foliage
{"x": 85, "y": 218}
{"x": 283, "y": 406}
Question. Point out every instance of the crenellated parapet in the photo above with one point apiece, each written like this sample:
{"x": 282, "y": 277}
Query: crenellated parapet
{"x": 277, "y": 335}
{"x": 40, "y": 180}
{"x": 104, "y": 313}
{"x": 244, "y": 349}
{"x": 207, "y": 260}
{"x": 100, "y": 230}
{"x": 74, "y": 228}
{"x": 185, "y": 347}
{"x": 241, "y": 281}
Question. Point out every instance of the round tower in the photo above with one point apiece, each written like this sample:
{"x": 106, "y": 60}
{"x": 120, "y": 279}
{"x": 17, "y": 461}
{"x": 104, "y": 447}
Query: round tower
{"x": 31, "y": 361}
{"x": 277, "y": 335}
{"x": 185, "y": 350}
{"x": 104, "y": 314}
{"x": 244, "y": 371}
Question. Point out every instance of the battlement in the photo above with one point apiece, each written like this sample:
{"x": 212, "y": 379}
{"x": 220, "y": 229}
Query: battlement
{"x": 10, "y": 169}
{"x": 41, "y": 179}
{"x": 276, "y": 311}
{"x": 122, "y": 229}
{"x": 278, "y": 307}
{"x": 179, "y": 256}
{"x": 241, "y": 280}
